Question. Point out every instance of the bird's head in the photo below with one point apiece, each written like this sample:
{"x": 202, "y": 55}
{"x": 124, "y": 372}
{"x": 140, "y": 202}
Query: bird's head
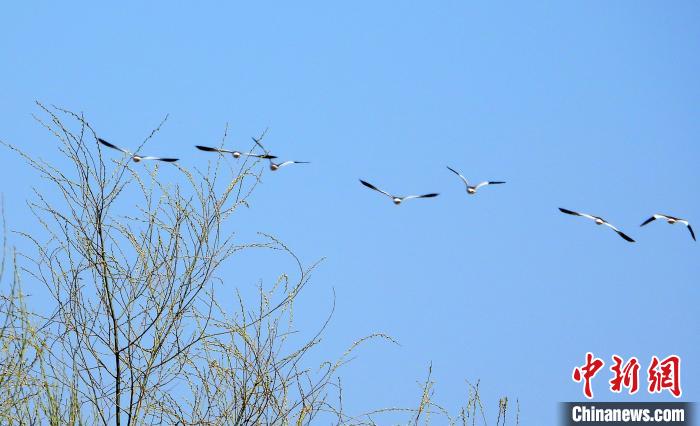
{"x": 397, "y": 200}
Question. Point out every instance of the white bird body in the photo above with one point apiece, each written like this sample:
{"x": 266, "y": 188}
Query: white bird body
{"x": 235, "y": 154}
{"x": 671, "y": 221}
{"x": 396, "y": 199}
{"x": 276, "y": 166}
{"x": 135, "y": 157}
{"x": 598, "y": 221}
{"x": 471, "y": 189}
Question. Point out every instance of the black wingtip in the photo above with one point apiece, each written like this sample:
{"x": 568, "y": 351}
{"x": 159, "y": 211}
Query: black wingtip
{"x": 429, "y": 195}
{"x": 104, "y": 142}
{"x": 568, "y": 211}
{"x": 169, "y": 160}
{"x": 206, "y": 148}
{"x": 692, "y": 234}
{"x": 367, "y": 184}
{"x": 651, "y": 219}
{"x": 370, "y": 186}
{"x": 625, "y": 236}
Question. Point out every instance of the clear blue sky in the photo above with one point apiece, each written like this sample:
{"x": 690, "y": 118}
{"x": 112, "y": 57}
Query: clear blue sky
{"x": 591, "y": 106}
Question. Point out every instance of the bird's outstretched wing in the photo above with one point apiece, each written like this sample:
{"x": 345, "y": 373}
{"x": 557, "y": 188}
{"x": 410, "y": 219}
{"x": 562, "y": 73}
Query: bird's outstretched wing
{"x": 625, "y": 236}
{"x": 488, "y": 183}
{"x": 587, "y": 216}
{"x": 286, "y": 163}
{"x": 166, "y": 159}
{"x": 563, "y": 210}
{"x": 651, "y": 219}
{"x": 107, "y": 144}
{"x": 210, "y": 149}
{"x": 228, "y": 151}
{"x": 421, "y": 196}
{"x": 690, "y": 228}
{"x": 258, "y": 143}
{"x": 620, "y": 233}
{"x": 370, "y": 186}
{"x": 692, "y": 234}
{"x": 458, "y": 174}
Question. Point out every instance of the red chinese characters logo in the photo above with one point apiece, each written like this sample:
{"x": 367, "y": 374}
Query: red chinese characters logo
{"x": 626, "y": 375}
{"x": 665, "y": 374}
{"x": 661, "y": 375}
{"x": 587, "y": 372}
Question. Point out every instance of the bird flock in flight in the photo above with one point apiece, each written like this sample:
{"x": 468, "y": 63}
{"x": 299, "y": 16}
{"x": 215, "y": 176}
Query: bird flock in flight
{"x": 471, "y": 189}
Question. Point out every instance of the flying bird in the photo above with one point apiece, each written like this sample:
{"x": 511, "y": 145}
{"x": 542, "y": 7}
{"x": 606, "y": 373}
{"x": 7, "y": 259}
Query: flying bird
{"x": 397, "y": 200}
{"x": 275, "y": 166}
{"x": 258, "y": 143}
{"x": 471, "y": 190}
{"x": 598, "y": 221}
{"x": 671, "y": 221}
{"x": 236, "y": 154}
{"x": 135, "y": 157}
